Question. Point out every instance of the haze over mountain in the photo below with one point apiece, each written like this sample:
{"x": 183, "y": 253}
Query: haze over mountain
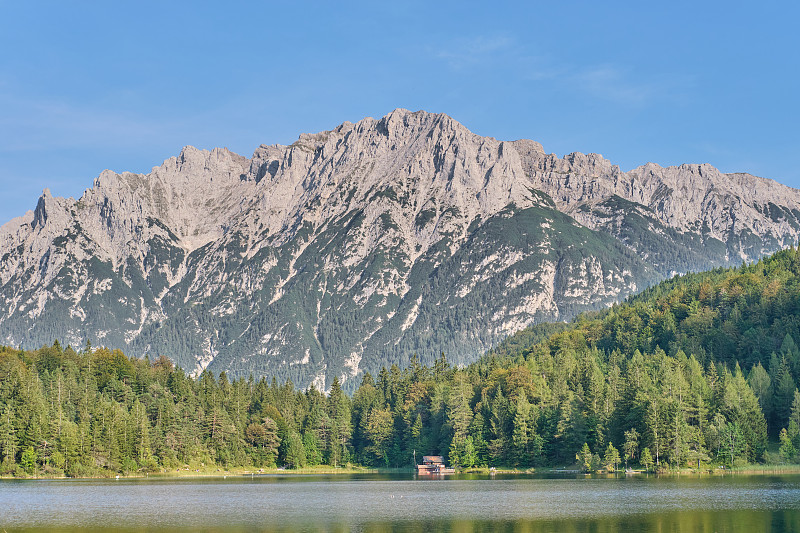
{"x": 355, "y": 248}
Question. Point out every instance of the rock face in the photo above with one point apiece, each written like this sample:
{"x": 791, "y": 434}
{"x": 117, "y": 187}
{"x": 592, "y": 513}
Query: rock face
{"x": 355, "y": 248}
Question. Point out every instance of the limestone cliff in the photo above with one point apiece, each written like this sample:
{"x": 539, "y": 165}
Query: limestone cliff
{"x": 355, "y": 248}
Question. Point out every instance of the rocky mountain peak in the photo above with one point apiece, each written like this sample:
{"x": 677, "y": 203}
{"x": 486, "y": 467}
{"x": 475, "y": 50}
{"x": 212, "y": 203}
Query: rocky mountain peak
{"x": 400, "y": 121}
{"x": 50, "y": 212}
{"x": 40, "y": 213}
{"x": 353, "y": 248}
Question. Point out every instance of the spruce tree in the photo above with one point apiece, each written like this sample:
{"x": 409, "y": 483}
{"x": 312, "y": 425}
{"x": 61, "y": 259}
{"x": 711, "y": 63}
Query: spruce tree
{"x": 646, "y": 459}
{"x": 787, "y": 450}
{"x": 631, "y": 446}
{"x": 8, "y": 437}
{"x": 611, "y": 458}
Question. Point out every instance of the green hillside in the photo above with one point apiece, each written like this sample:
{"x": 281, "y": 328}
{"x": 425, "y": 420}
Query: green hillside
{"x": 747, "y": 317}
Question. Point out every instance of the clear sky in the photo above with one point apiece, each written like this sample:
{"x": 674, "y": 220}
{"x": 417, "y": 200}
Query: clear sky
{"x": 86, "y": 86}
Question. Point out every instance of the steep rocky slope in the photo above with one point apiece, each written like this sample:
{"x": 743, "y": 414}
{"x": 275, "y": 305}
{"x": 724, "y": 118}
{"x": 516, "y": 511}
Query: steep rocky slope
{"x": 358, "y": 247}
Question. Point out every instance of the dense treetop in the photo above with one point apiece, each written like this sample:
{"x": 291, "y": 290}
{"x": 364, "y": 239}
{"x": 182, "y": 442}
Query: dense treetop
{"x": 700, "y": 369}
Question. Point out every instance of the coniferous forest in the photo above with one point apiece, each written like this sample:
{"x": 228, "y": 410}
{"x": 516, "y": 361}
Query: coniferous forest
{"x": 700, "y": 370}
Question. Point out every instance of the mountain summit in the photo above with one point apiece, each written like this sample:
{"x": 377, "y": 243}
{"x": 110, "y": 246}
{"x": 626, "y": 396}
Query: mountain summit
{"x": 358, "y": 247}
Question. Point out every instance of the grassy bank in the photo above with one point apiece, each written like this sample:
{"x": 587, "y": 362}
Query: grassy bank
{"x": 767, "y": 469}
{"x": 246, "y": 471}
{"x": 215, "y": 471}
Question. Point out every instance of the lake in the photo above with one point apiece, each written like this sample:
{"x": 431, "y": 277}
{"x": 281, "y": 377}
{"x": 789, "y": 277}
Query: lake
{"x": 731, "y": 503}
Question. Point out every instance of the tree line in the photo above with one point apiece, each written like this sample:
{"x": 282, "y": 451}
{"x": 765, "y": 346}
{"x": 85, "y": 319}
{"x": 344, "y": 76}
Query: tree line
{"x": 700, "y": 370}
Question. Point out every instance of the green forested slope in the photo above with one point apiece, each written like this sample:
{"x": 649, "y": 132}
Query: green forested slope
{"x": 747, "y": 316}
{"x": 701, "y": 369}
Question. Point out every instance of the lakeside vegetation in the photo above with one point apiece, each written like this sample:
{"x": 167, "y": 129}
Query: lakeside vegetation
{"x": 699, "y": 371}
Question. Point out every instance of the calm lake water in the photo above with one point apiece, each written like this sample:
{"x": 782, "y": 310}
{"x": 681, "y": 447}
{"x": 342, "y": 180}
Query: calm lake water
{"x": 401, "y": 503}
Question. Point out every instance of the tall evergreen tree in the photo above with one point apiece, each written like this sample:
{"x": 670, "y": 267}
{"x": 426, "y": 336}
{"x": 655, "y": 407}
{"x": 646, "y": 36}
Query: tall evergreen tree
{"x": 8, "y": 436}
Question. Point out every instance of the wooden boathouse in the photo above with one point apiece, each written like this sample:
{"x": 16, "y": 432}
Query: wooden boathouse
{"x": 433, "y": 465}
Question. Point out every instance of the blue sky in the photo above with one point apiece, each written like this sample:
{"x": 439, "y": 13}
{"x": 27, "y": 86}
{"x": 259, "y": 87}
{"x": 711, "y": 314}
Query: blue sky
{"x": 86, "y": 86}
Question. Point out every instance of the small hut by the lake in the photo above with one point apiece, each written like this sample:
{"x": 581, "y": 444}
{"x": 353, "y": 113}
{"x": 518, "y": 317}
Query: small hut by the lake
{"x": 433, "y": 465}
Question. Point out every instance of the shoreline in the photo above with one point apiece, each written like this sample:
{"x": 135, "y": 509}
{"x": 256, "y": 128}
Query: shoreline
{"x": 243, "y": 472}
{"x": 220, "y": 473}
{"x": 708, "y": 471}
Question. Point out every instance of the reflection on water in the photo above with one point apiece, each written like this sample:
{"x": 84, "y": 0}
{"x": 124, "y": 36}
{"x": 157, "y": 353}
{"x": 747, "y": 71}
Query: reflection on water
{"x": 400, "y": 503}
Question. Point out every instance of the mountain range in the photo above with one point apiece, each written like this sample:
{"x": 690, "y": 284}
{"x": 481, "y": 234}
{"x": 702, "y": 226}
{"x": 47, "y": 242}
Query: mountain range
{"x": 356, "y": 248}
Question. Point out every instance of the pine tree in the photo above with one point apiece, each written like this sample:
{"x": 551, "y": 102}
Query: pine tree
{"x": 793, "y": 431}
{"x": 296, "y": 453}
{"x": 313, "y": 455}
{"x": 417, "y": 438}
{"x": 469, "y": 455}
{"x": 8, "y": 437}
{"x": 338, "y": 410}
{"x": 791, "y": 352}
{"x": 378, "y": 432}
{"x": 585, "y": 458}
{"x": 498, "y": 416}
{"x": 141, "y": 433}
{"x": 458, "y": 412}
{"x": 794, "y": 414}
{"x": 654, "y": 426}
{"x": 611, "y": 458}
{"x": 760, "y": 382}
{"x": 787, "y": 450}
{"x": 68, "y": 446}
{"x": 270, "y": 441}
{"x": 520, "y": 433}
{"x": 784, "y": 395}
{"x": 733, "y": 444}
{"x": 28, "y": 460}
{"x": 631, "y": 446}
{"x": 646, "y": 459}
